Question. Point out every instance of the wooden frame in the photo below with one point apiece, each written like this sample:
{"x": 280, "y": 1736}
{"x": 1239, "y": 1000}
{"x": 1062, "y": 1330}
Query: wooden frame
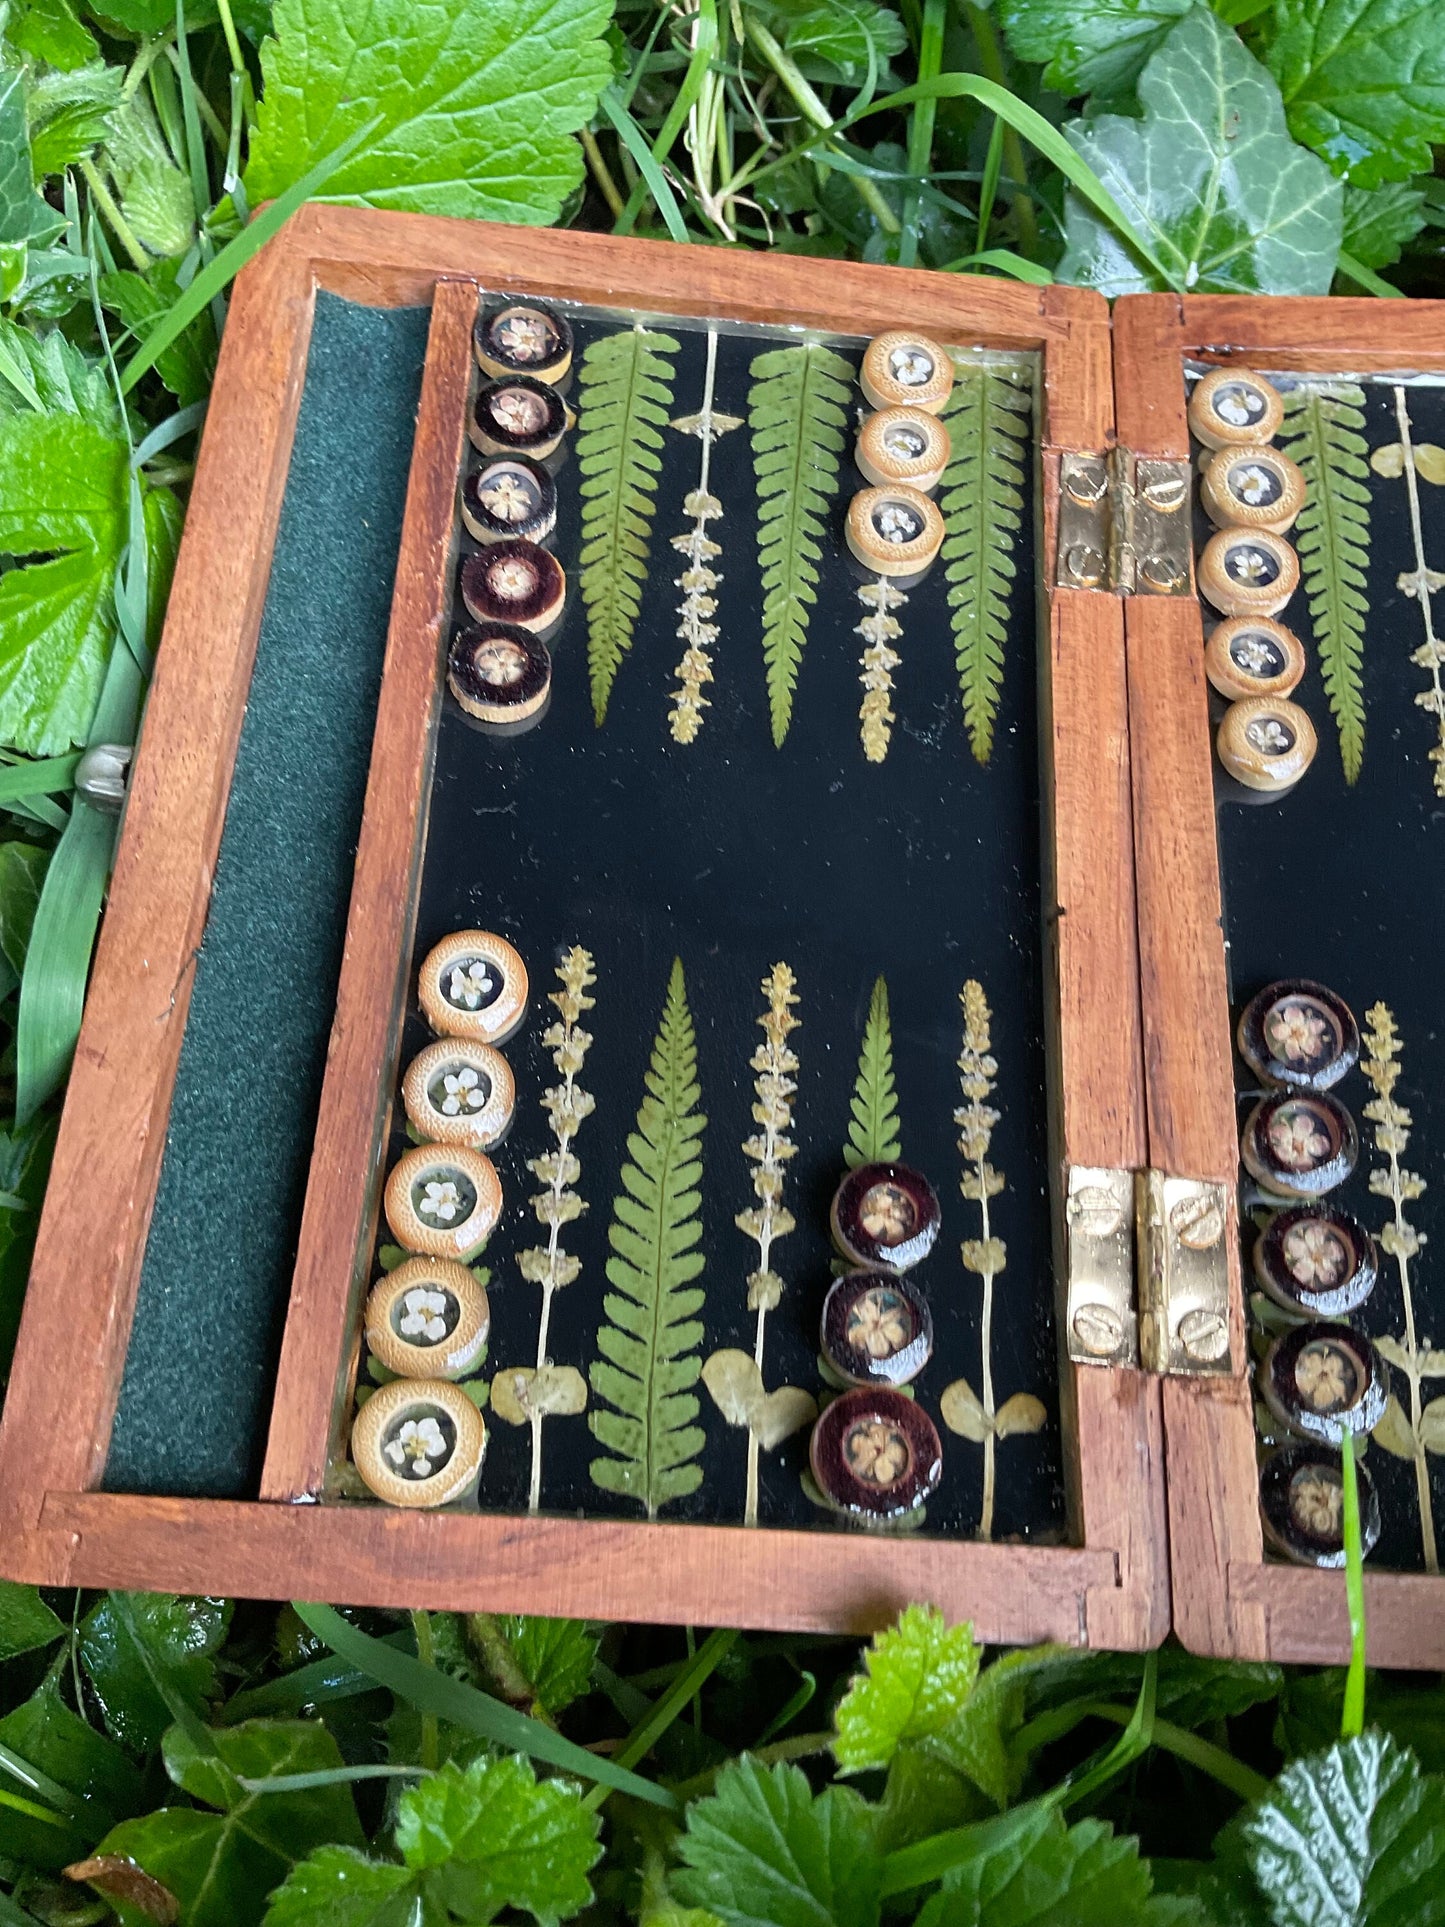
{"x": 1110, "y": 1588}
{"x": 1227, "y": 1599}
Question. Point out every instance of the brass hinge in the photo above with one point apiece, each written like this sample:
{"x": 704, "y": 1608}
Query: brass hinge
{"x": 1124, "y": 524}
{"x": 1147, "y": 1272}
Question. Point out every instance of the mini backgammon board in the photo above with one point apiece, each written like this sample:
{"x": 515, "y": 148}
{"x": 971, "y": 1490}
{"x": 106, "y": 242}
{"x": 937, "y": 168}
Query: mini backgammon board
{"x": 661, "y": 1045}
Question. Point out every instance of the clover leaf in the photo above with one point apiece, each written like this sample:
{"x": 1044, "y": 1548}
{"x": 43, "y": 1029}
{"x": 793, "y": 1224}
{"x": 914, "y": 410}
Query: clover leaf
{"x": 1209, "y": 176}
{"x": 478, "y": 102}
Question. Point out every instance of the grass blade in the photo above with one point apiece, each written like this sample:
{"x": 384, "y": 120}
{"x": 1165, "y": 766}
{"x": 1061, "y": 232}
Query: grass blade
{"x": 1366, "y": 278}
{"x": 688, "y": 1684}
{"x": 635, "y": 141}
{"x": 452, "y": 1699}
{"x": 920, "y": 125}
{"x": 1352, "y": 1720}
{"x": 1007, "y": 262}
{"x": 219, "y": 274}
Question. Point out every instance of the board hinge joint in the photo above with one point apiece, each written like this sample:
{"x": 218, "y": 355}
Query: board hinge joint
{"x": 1124, "y": 524}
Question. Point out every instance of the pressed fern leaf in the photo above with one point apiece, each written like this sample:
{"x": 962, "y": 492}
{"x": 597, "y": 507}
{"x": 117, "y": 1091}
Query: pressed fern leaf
{"x": 797, "y": 410}
{"x": 873, "y": 1131}
{"x": 651, "y": 1339}
{"x": 626, "y": 382}
{"x": 1322, "y": 434}
{"x": 988, "y": 420}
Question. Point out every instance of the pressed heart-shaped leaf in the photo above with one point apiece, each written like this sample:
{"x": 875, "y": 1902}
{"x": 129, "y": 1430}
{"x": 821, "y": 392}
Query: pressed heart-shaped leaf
{"x": 762, "y": 1849}
{"x": 1209, "y": 176}
{"x": 521, "y": 1393}
{"x": 917, "y": 1676}
{"x": 1091, "y": 46}
{"x": 1354, "y": 1837}
{"x": 962, "y": 1411}
{"x": 1432, "y": 1426}
{"x": 479, "y": 101}
{"x": 1023, "y": 1413}
{"x": 1393, "y": 1430}
{"x": 1363, "y": 81}
{"x": 736, "y": 1384}
{"x": 785, "y": 1410}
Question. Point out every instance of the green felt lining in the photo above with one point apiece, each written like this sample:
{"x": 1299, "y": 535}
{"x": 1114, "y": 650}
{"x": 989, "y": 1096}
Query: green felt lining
{"x": 217, "y": 1271}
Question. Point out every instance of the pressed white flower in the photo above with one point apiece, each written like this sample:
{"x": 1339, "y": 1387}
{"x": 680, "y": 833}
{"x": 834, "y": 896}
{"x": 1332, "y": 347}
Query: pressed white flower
{"x": 463, "y": 1089}
{"x": 441, "y": 1200}
{"x": 417, "y": 1446}
{"x": 467, "y": 987}
{"x": 422, "y": 1314}
{"x": 1253, "y": 654}
{"x": 911, "y": 366}
{"x": 508, "y": 499}
{"x": 896, "y": 524}
{"x": 1236, "y": 406}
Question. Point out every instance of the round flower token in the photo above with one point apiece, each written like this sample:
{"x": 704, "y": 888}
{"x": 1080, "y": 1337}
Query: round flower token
{"x": 1299, "y": 1034}
{"x": 885, "y": 1215}
{"x": 1266, "y": 744}
{"x": 1316, "y": 1260}
{"x": 894, "y": 531}
{"x": 904, "y": 369}
{"x": 875, "y": 1453}
{"x": 473, "y": 984}
{"x": 418, "y": 1442}
{"x": 443, "y": 1200}
{"x": 905, "y": 446}
{"x": 1234, "y": 406}
{"x": 1299, "y": 1144}
{"x": 508, "y": 497}
{"x": 1302, "y": 1504}
{"x": 523, "y": 338}
{"x": 459, "y": 1092}
{"x": 518, "y": 416}
{"x": 1252, "y": 488}
{"x": 514, "y": 581}
{"x": 1248, "y": 572}
{"x": 500, "y": 674}
{"x": 876, "y": 1329}
{"x": 1253, "y": 656}
{"x": 428, "y": 1319}
{"x": 1320, "y": 1380}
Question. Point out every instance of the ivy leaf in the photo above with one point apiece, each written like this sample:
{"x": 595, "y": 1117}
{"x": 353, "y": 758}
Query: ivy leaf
{"x": 44, "y": 1732}
{"x": 473, "y": 1842}
{"x": 651, "y": 1335}
{"x": 1041, "y": 1873}
{"x": 626, "y": 381}
{"x": 479, "y": 101}
{"x": 1091, "y": 46}
{"x": 1380, "y": 221}
{"x": 917, "y": 1676}
{"x": 873, "y": 1128}
{"x": 763, "y": 1852}
{"x": 1209, "y": 176}
{"x": 797, "y": 410}
{"x": 1354, "y": 1837}
{"x": 24, "y": 216}
{"x": 25, "y": 1620}
{"x": 1363, "y": 82}
{"x": 174, "y": 1641}
{"x": 982, "y": 502}
{"x": 1322, "y": 433}
{"x": 221, "y": 1865}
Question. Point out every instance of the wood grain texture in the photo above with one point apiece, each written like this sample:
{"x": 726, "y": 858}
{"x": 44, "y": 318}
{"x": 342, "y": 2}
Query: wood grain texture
{"x": 605, "y": 1569}
{"x": 313, "y": 1380}
{"x": 70, "y": 1355}
{"x": 1335, "y": 335}
{"x": 1306, "y": 1618}
{"x": 1214, "y": 1529}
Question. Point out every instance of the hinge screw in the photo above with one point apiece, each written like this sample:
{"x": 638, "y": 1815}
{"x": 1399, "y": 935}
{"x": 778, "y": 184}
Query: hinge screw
{"x": 1099, "y": 1329}
{"x": 1204, "y": 1334}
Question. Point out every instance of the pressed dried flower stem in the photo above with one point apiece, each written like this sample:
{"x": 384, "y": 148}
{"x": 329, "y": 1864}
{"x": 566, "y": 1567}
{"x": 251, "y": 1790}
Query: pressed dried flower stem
{"x": 879, "y": 630}
{"x": 1418, "y": 584}
{"x": 699, "y": 579}
{"x": 1392, "y": 1135}
{"x": 985, "y": 1256}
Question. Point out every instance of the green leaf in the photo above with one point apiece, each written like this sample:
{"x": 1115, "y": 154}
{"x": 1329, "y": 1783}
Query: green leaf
{"x": 763, "y": 1852}
{"x": 1321, "y": 432}
{"x": 1045, "y": 1874}
{"x": 651, "y": 1337}
{"x": 49, "y": 30}
{"x": 24, "y": 1168}
{"x": 22, "y": 871}
{"x": 70, "y": 114}
{"x": 21, "y": 209}
{"x": 917, "y": 1677}
{"x": 479, "y": 101}
{"x": 473, "y": 1841}
{"x": 62, "y": 381}
{"x": 222, "y": 1865}
{"x": 1091, "y": 46}
{"x": 831, "y": 39}
{"x": 1380, "y": 221}
{"x": 1363, "y": 82}
{"x": 1354, "y": 1837}
{"x": 25, "y": 1620}
{"x": 797, "y": 410}
{"x": 175, "y": 1642}
{"x": 626, "y": 382}
{"x": 56, "y": 1742}
{"x": 988, "y": 420}
{"x": 873, "y": 1128}
{"x": 548, "y": 1661}
{"x": 1208, "y": 176}
{"x": 338, "y": 1887}
{"x": 186, "y": 367}
{"x": 155, "y": 194}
